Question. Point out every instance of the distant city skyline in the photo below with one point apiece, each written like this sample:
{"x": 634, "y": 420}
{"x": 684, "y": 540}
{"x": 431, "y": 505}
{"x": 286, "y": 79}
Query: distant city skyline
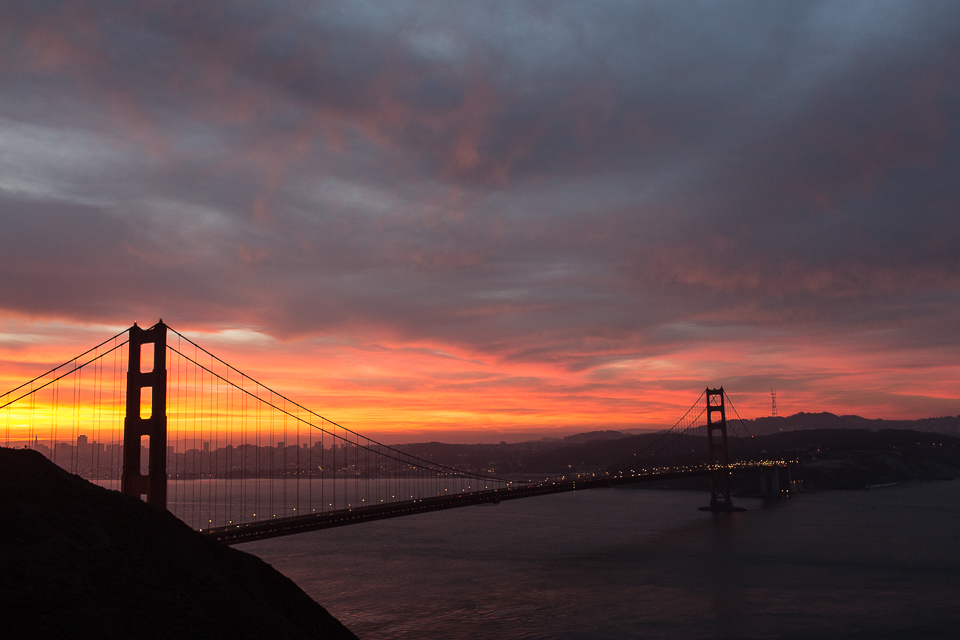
{"x": 194, "y": 459}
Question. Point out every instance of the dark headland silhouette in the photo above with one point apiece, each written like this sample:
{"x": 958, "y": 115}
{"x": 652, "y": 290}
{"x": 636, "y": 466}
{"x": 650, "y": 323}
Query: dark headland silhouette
{"x": 77, "y": 560}
{"x": 827, "y": 451}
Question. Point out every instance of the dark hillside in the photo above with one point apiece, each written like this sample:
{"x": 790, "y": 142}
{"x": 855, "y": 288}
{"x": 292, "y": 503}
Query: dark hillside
{"x": 595, "y": 455}
{"x": 591, "y": 436}
{"x": 575, "y": 454}
{"x": 853, "y": 439}
{"x": 857, "y": 458}
{"x": 77, "y": 560}
{"x": 948, "y": 425}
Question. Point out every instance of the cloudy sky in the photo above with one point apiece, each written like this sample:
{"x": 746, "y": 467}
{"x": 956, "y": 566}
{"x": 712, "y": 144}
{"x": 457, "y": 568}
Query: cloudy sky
{"x": 487, "y": 220}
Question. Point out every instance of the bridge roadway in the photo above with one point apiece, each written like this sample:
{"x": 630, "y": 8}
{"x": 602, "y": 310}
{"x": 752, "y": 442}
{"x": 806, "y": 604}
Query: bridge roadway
{"x": 248, "y": 532}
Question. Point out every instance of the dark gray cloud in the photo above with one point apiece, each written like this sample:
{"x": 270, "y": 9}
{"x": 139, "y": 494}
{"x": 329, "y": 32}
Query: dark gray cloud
{"x": 547, "y": 181}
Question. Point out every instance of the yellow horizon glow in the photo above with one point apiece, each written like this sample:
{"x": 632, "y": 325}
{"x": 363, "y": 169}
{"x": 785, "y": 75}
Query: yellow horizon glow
{"x": 393, "y": 391}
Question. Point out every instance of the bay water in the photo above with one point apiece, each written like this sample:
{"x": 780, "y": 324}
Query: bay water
{"x": 639, "y": 563}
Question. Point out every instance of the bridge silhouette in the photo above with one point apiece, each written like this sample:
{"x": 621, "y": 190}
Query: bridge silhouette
{"x": 239, "y": 461}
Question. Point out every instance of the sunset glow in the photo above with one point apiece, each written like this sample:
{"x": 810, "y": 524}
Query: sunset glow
{"x": 486, "y": 222}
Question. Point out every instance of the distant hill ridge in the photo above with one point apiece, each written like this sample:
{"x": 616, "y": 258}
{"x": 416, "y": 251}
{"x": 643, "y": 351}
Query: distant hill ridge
{"x": 803, "y": 421}
{"x": 590, "y": 436}
{"x": 947, "y": 425}
{"x": 597, "y": 450}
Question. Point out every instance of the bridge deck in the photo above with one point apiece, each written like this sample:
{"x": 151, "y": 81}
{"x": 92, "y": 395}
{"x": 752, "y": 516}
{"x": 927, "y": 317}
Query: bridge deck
{"x": 238, "y": 533}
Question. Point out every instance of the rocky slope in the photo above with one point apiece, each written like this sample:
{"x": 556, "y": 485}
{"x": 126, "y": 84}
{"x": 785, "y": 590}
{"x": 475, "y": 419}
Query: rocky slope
{"x": 77, "y": 560}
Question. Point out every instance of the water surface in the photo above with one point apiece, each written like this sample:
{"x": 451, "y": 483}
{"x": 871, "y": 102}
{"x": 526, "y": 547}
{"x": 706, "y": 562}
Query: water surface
{"x": 629, "y": 563}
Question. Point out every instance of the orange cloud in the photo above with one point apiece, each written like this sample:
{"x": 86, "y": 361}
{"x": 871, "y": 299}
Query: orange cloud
{"x": 398, "y": 392}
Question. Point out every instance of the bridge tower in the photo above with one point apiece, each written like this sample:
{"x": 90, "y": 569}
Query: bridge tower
{"x": 132, "y": 482}
{"x": 717, "y": 452}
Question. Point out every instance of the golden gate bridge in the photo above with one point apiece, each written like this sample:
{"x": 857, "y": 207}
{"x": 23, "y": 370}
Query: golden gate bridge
{"x": 240, "y": 461}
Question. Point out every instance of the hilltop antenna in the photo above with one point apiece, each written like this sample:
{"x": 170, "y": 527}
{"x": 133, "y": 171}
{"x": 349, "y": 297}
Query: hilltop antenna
{"x": 773, "y": 399}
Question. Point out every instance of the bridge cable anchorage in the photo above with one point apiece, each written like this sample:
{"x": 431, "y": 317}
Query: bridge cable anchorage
{"x": 242, "y": 461}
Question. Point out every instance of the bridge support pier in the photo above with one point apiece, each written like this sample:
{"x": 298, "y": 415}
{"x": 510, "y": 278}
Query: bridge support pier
{"x": 717, "y": 453}
{"x": 132, "y": 482}
{"x": 770, "y": 483}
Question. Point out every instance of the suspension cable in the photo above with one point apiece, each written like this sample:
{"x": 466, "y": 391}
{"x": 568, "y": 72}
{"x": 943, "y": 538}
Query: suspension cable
{"x": 310, "y": 411}
{"x": 664, "y": 435}
{"x": 743, "y": 424}
{"x": 66, "y": 363}
{"x": 74, "y": 370}
{"x": 403, "y": 456}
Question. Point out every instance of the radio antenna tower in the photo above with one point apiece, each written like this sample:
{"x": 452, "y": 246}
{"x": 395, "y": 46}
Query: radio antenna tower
{"x": 773, "y": 399}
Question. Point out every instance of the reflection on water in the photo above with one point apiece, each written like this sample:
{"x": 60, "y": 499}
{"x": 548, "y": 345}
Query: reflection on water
{"x": 628, "y": 563}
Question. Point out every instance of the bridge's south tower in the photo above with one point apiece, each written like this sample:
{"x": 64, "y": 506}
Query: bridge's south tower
{"x": 132, "y": 482}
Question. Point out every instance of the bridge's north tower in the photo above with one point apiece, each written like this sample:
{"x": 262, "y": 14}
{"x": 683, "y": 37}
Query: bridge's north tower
{"x": 717, "y": 452}
{"x": 132, "y": 482}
